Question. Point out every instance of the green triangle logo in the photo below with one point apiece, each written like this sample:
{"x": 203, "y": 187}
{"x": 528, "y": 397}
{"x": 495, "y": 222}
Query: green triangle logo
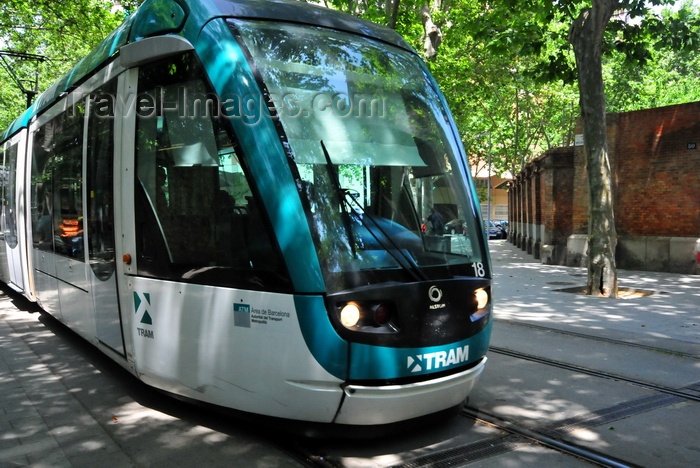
{"x": 146, "y": 319}
{"x": 137, "y": 301}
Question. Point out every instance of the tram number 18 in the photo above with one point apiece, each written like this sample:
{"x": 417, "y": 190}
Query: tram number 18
{"x": 479, "y": 269}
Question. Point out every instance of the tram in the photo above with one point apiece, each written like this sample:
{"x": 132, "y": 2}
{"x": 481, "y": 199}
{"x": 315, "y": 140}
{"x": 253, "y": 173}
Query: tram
{"x": 229, "y": 198}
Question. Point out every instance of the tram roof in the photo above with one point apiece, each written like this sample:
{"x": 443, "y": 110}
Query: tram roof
{"x": 305, "y": 13}
{"x": 156, "y": 17}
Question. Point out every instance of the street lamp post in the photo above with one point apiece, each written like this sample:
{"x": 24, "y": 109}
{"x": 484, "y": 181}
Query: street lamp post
{"x": 488, "y": 180}
{"x": 488, "y": 189}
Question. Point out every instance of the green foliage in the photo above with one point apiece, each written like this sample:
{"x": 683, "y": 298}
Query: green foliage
{"x": 63, "y": 32}
{"x": 505, "y": 66}
{"x": 482, "y": 193}
{"x": 518, "y": 80}
{"x": 670, "y": 73}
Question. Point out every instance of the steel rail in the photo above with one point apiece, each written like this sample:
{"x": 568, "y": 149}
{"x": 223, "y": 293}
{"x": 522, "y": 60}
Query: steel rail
{"x": 599, "y": 338}
{"x": 594, "y": 373}
{"x": 551, "y": 442}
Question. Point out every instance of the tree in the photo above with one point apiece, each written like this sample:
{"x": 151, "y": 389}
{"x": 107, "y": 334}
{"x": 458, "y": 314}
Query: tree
{"x": 432, "y": 37}
{"x": 635, "y": 39}
{"x": 669, "y": 76}
{"x": 628, "y": 28}
{"x": 62, "y": 32}
{"x": 586, "y": 36}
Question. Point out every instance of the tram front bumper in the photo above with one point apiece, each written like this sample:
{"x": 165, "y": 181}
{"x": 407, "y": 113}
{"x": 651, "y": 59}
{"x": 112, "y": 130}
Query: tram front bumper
{"x": 365, "y": 405}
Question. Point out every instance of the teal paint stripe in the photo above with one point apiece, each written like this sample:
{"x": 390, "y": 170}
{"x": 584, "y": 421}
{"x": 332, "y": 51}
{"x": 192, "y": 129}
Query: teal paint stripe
{"x": 232, "y": 78}
{"x": 326, "y": 346}
{"x": 376, "y": 362}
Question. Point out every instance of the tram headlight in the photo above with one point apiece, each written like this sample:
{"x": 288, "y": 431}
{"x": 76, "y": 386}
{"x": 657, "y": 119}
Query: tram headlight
{"x": 368, "y": 316}
{"x": 382, "y": 314}
{"x": 482, "y": 298}
{"x": 480, "y": 301}
{"x": 350, "y": 315}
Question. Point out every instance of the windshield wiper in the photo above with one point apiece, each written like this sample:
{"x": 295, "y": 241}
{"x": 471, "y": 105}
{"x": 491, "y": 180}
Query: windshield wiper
{"x": 335, "y": 180}
{"x": 346, "y": 200}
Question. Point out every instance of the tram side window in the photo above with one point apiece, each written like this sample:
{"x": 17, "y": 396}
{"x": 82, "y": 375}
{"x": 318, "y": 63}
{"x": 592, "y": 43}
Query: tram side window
{"x": 4, "y": 180}
{"x": 57, "y": 204}
{"x": 100, "y": 177}
{"x": 8, "y": 179}
{"x": 9, "y": 182}
{"x": 196, "y": 218}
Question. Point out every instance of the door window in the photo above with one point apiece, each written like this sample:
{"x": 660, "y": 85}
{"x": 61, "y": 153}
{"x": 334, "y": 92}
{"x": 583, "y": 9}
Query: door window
{"x": 57, "y": 184}
{"x": 197, "y": 219}
{"x": 100, "y": 183}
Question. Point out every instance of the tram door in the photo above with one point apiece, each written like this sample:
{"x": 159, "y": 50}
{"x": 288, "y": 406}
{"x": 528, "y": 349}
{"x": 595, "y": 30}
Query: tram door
{"x": 12, "y": 224}
{"x": 4, "y": 188}
{"x": 56, "y": 202}
{"x": 100, "y": 209}
{"x": 72, "y": 207}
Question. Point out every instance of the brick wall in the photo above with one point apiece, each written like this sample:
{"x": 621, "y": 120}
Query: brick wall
{"x": 655, "y": 160}
{"x": 541, "y": 198}
{"x": 559, "y": 184}
{"x": 658, "y": 168}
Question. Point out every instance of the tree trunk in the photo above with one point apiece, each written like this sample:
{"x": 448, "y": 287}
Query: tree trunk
{"x": 432, "y": 34}
{"x": 392, "y": 12}
{"x": 586, "y": 36}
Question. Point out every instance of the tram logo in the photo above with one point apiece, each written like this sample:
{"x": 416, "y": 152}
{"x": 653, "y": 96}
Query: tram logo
{"x": 438, "y": 359}
{"x": 142, "y": 302}
{"x": 241, "y": 315}
{"x": 435, "y": 294}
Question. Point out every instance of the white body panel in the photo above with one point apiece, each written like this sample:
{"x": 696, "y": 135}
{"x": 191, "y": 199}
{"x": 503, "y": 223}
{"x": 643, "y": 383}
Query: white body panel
{"x": 74, "y": 296}
{"x": 45, "y": 282}
{"x": 4, "y": 248}
{"x": 108, "y": 327}
{"x": 388, "y": 404}
{"x": 4, "y": 265}
{"x": 242, "y": 349}
{"x": 19, "y": 273}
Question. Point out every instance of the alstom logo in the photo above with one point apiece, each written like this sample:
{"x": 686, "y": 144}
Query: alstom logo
{"x": 438, "y": 359}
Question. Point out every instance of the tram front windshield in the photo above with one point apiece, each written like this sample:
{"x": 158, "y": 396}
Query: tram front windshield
{"x": 377, "y": 163}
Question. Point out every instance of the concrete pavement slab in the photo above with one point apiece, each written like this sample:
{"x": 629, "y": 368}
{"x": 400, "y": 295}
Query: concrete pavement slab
{"x": 529, "y": 291}
{"x": 63, "y": 404}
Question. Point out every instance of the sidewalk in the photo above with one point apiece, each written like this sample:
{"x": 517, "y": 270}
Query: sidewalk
{"x": 528, "y": 291}
{"x": 63, "y": 404}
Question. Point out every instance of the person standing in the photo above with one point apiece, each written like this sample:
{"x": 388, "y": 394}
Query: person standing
{"x": 436, "y": 220}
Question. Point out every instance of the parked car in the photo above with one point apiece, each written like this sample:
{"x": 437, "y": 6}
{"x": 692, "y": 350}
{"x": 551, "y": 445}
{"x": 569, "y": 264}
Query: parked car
{"x": 495, "y": 231}
{"x": 504, "y": 227}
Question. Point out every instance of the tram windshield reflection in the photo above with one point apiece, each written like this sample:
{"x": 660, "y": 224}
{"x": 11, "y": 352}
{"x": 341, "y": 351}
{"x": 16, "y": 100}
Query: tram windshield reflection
{"x": 374, "y": 152}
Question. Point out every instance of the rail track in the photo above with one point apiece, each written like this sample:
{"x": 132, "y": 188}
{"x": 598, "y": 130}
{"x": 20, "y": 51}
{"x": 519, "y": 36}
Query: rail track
{"x": 510, "y": 436}
{"x": 604, "y": 339}
{"x": 691, "y": 392}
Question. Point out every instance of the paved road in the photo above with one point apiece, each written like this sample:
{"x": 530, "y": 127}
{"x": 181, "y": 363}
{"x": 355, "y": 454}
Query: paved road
{"x": 62, "y": 404}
